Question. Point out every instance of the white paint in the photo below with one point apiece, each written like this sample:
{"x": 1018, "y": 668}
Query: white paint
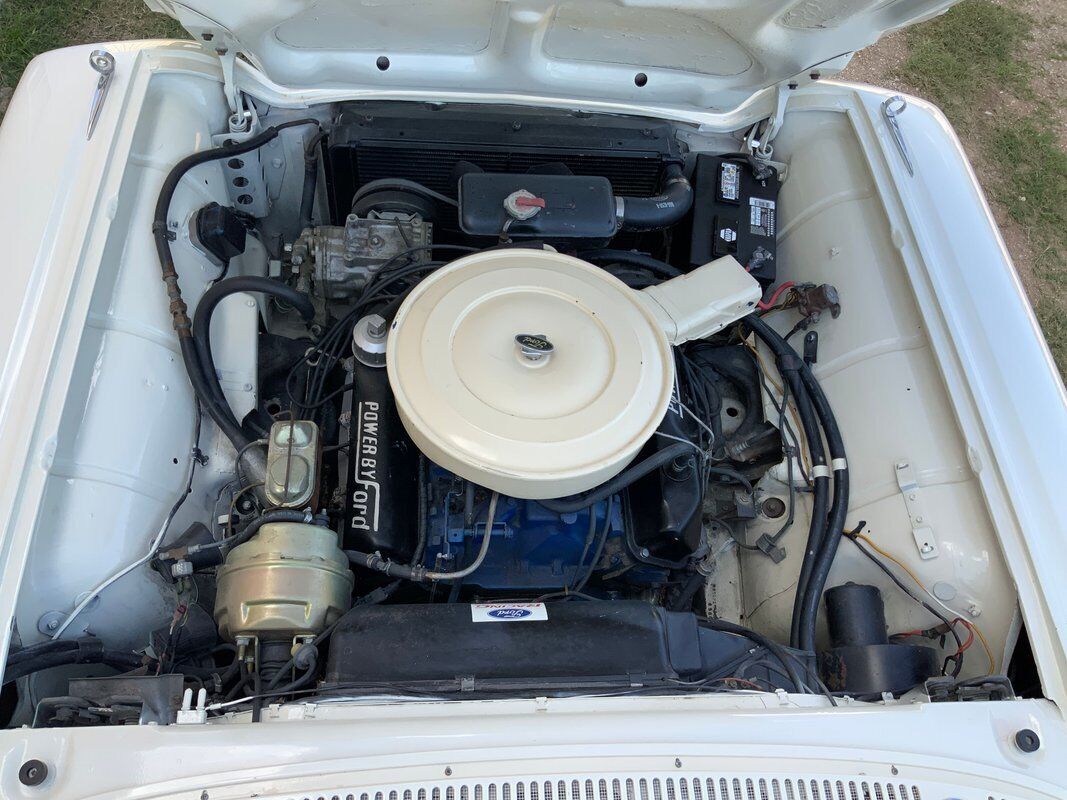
{"x": 116, "y": 407}
{"x": 960, "y": 751}
{"x": 692, "y": 55}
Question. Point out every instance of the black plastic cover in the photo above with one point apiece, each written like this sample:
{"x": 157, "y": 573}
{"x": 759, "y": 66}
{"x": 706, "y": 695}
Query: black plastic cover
{"x": 575, "y": 207}
{"x": 735, "y": 214}
{"x": 220, "y": 231}
{"x": 579, "y": 641}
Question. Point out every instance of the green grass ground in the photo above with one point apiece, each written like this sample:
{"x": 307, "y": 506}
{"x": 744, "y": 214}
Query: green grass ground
{"x": 966, "y": 61}
{"x": 28, "y": 28}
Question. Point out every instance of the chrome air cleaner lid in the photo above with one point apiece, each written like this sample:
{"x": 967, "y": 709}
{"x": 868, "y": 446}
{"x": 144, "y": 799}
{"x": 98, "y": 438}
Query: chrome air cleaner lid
{"x": 528, "y": 372}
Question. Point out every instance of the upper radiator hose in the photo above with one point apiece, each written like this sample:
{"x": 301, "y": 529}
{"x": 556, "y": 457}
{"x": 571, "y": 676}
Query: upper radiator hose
{"x": 661, "y": 211}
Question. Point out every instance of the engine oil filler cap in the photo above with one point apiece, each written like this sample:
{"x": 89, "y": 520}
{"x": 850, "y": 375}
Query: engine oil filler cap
{"x": 528, "y": 372}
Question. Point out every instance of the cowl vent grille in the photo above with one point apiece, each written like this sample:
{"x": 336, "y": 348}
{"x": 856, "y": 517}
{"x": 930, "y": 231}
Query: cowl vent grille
{"x": 636, "y": 788}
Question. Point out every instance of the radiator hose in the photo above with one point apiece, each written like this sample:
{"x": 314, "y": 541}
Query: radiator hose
{"x": 569, "y": 505}
{"x": 661, "y": 211}
{"x": 202, "y": 324}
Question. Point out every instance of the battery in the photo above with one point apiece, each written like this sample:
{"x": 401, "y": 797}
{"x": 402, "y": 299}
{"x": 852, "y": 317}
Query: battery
{"x": 735, "y": 213}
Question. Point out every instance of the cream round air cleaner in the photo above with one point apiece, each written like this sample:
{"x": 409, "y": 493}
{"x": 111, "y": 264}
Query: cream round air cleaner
{"x": 528, "y": 372}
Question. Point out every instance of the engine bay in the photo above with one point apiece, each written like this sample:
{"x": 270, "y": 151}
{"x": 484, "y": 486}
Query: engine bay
{"x": 535, "y": 412}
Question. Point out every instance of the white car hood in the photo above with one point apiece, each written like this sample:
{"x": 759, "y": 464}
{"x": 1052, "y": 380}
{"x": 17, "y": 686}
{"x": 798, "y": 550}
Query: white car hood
{"x": 689, "y": 54}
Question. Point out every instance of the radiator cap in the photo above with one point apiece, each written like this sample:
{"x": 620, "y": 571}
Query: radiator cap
{"x": 528, "y": 372}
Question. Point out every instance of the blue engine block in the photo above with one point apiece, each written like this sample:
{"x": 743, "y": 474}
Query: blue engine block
{"x": 532, "y": 547}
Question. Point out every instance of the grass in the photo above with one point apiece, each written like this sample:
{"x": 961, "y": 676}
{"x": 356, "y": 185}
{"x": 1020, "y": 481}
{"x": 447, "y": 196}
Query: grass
{"x": 956, "y": 58}
{"x": 966, "y": 61}
{"x": 29, "y": 27}
{"x": 1033, "y": 189}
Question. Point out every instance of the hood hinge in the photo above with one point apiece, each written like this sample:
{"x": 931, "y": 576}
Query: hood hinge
{"x": 240, "y": 114}
{"x": 757, "y": 141}
{"x": 213, "y": 36}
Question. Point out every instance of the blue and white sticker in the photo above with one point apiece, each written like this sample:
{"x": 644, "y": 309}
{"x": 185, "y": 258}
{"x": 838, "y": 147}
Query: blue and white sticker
{"x": 509, "y": 612}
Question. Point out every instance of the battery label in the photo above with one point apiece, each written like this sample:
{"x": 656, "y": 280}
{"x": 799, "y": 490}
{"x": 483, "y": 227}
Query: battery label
{"x": 730, "y": 181}
{"x": 761, "y": 216}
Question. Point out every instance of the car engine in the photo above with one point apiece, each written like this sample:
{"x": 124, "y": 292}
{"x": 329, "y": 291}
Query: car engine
{"x": 511, "y": 423}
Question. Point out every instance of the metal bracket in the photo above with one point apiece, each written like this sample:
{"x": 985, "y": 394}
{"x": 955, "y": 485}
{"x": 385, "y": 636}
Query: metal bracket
{"x": 920, "y": 527}
{"x": 758, "y": 140}
{"x": 241, "y": 114}
{"x": 246, "y": 179}
{"x": 217, "y": 38}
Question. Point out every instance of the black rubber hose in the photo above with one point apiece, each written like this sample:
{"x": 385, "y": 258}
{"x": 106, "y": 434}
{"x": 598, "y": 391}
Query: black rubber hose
{"x": 307, "y": 196}
{"x": 609, "y": 255}
{"x": 207, "y": 305}
{"x": 732, "y": 474}
{"x": 835, "y": 526}
{"x": 379, "y": 595}
{"x": 112, "y": 658}
{"x": 267, "y": 517}
{"x": 770, "y": 645}
{"x": 40, "y": 649}
{"x": 309, "y": 675}
{"x": 684, "y": 600}
{"x": 178, "y": 309}
{"x": 311, "y": 178}
{"x": 221, "y": 414}
{"x": 661, "y": 211}
{"x": 393, "y": 569}
{"x": 790, "y": 365}
{"x": 821, "y": 552}
{"x": 569, "y": 505}
{"x": 820, "y": 505}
